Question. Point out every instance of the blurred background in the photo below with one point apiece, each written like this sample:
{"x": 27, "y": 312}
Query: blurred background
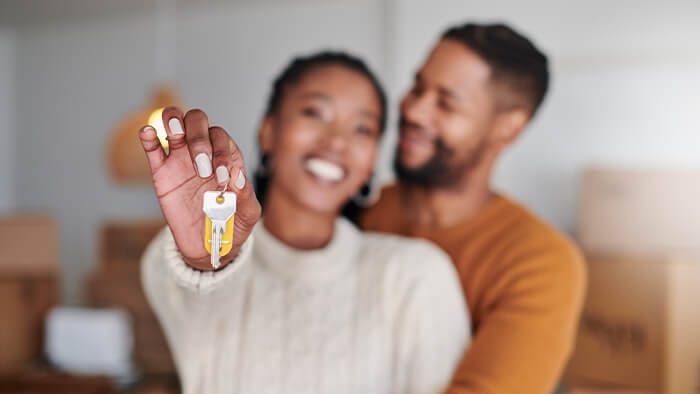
{"x": 612, "y": 158}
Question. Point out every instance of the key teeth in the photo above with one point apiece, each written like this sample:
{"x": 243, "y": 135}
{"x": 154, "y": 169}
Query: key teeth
{"x": 215, "y": 245}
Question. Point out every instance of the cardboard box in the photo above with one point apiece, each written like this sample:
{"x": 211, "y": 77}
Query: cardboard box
{"x": 603, "y": 390}
{"x": 117, "y": 283}
{"x": 28, "y": 246}
{"x": 122, "y": 289}
{"x": 40, "y": 382}
{"x": 123, "y": 242}
{"x": 640, "y": 211}
{"x": 640, "y": 327}
{"x": 163, "y": 384}
{"x": 24, "y": 303}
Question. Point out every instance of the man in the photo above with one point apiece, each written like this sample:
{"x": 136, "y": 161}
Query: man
{"x": 523, "y": 280}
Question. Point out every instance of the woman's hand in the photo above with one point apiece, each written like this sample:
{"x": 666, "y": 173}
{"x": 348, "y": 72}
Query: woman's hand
{"x": 191, "y": 168}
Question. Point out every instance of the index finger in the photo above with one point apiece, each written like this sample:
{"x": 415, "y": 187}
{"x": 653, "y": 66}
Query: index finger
{"x": 172, "y": 120}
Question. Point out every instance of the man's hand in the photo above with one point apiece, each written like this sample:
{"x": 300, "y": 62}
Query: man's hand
{"x": 181, "y": 178}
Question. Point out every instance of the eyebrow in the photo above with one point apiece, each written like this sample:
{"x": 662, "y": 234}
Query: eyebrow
{"x": 318, "y": 95}
{"x": 370, "y": 114}
{"x": 449, "y": 92}
{"x": 442, "y": 90}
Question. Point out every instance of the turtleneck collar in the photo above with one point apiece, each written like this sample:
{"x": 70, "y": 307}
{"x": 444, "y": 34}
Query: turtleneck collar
{"x": 315, "y": 265}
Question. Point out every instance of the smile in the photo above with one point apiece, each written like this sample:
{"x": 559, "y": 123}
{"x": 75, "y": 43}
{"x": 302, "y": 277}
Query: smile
{"x": 324, "y": 169}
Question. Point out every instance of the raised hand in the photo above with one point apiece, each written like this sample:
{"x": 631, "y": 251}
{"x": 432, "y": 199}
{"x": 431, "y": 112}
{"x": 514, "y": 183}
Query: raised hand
{"x": 201, "y": 158}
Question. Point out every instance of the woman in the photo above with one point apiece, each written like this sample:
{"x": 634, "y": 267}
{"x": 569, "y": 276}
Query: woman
{"x": 304, "y": 303}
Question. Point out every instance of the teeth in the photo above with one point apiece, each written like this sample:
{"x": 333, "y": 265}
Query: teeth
{"x": 325, "y": 169}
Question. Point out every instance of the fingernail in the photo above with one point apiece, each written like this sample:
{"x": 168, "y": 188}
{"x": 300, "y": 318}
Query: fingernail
{"x": 176, "y": 127}
{"x": 203, "y": 165}
{"x": 221, "y": 174}
{"x": 240, "y": 181}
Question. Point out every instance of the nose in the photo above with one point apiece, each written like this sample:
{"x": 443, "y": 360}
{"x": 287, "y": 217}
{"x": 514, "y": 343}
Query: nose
{"x": 416, "y": 109}
{"x": 336, "y": 139}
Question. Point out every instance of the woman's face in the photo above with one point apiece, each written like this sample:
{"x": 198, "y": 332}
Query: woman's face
{"x": 322, "y": 140}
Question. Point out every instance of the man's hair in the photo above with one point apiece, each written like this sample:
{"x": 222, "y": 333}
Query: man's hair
{"x": 516, "y": 64}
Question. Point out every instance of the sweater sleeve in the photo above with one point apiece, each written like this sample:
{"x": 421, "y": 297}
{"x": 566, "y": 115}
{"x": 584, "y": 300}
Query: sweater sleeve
{"x": 174, "y": 289}
{"x": 527, "y": 334}
{"x": 433, "y": 325}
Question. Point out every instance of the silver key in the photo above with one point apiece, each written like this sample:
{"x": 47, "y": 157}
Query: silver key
{"x": 219, "y": 207}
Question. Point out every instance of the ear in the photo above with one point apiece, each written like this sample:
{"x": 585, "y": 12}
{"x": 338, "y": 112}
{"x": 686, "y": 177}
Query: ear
{"x": 266, "y": 134}
{"x": 509, "y": 124}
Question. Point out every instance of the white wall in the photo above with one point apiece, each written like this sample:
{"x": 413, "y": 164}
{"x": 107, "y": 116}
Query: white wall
{"x": 230, "y": 55}
{"x": 7, "y": 120}
{"x": 75, "y": 81}
{"x": 625, "y": 89}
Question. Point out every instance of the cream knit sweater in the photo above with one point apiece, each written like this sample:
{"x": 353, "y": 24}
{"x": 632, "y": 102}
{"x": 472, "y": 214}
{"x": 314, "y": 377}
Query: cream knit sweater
{"x": 366, "y": 314}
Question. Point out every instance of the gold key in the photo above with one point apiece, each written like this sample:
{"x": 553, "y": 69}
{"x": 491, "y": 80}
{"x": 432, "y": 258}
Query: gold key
{"x": 219, "y": 208}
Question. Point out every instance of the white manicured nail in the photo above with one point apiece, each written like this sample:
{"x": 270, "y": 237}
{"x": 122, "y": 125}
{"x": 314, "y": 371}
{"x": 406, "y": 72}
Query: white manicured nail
{"x": 175, "y": 126}
{"x": 203, "y": 165}
{"x": 221, "y": 174}
{"x": 240, "y": 181}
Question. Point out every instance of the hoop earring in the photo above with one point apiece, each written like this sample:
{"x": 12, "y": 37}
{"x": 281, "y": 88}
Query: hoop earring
{"x": 365, "y": 197}
{"x": 264, "y": 166}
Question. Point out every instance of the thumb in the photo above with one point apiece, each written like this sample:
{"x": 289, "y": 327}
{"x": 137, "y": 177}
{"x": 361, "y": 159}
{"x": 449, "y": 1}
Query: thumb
{"x": 151, "y": 145}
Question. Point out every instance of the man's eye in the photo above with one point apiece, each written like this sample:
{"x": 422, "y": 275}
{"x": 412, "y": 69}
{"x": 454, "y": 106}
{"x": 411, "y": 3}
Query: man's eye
{"x": 445, "y": 106}
{"x": 417, "y": 90}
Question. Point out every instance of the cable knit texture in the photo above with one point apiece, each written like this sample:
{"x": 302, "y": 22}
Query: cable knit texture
{"x": 368, "y": 313}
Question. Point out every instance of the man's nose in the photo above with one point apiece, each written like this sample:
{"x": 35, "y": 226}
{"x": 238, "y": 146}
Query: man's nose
{"x": 417, "y": 109}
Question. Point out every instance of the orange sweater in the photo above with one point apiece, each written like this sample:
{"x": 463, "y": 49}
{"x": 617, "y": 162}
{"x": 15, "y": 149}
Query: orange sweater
{"x": 524, "y": 284}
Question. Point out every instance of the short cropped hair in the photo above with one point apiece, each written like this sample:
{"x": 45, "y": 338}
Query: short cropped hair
{"x": 517, "y": 66}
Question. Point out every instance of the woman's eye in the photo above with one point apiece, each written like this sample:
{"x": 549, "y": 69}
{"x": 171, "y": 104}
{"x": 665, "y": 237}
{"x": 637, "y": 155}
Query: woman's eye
{"x": 312, "y": 112}
{"x": 366, "y": 131}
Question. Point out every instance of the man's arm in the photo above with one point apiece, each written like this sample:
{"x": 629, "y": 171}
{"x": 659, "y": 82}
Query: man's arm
{"x": 528, "y": 330}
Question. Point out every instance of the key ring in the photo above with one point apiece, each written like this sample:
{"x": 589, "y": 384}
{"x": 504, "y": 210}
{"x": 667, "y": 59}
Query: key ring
{"x": 220, "y": 197}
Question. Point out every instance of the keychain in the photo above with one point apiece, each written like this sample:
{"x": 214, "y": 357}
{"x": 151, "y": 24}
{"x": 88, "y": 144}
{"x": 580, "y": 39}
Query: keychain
{"x": 219, "y": 207}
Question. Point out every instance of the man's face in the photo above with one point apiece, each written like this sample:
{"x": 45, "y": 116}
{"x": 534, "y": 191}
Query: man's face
{"x": 446, "y": 117}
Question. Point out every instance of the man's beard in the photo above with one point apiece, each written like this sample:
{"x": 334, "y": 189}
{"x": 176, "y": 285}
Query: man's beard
{"x": 438, "y": 172}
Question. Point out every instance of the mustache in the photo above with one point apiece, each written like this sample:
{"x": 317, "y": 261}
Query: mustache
{"x": 405, "y": 123}
{"x": 441, "y": 147}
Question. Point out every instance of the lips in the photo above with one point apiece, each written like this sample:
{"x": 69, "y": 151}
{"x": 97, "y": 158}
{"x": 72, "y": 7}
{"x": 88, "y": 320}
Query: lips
{"x": 324, "y": 170}
{"x": 412, "y": 139}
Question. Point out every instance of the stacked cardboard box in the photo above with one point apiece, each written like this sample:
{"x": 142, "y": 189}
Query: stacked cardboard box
{"x": 158, "y": 385}
{"x": 640, "y": 328}
{"x": 46, "y": 381}
{"x": 650, "y": 212}
{"x": 117, "y": 283}
{"x": 28, "y": 287}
